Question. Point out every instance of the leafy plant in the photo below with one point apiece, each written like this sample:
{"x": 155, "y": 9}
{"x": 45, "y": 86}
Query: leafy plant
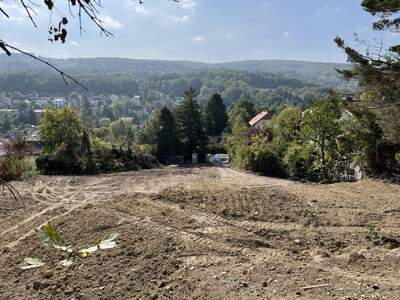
{"x": 32, "y": 263}
{"x": 107, "y": 243}
{"x": 51, "y": 238}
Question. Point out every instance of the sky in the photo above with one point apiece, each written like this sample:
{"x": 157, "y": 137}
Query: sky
{"x": 199, "y": 30}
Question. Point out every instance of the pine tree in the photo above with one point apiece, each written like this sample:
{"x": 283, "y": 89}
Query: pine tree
{"x": 167, "y": 137}
{"x": 378, "y": 74}
{"x": 190, "y": 125}
{"x": 216, "y": 116}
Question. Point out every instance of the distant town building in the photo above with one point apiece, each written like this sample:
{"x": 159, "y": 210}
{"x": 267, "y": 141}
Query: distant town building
{"x": 136, "y": 100}
{"x": 59, "y": 102}
{"x": 261, "y": 120}
{"x": 42, "y": 103}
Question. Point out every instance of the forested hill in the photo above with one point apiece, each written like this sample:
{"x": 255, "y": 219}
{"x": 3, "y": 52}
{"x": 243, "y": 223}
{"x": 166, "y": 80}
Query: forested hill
{"x": 323, "y": 74}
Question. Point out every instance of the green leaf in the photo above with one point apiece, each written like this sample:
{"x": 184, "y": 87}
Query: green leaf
{"x": 31, "y": 263}
{"x": 51, "y": 238}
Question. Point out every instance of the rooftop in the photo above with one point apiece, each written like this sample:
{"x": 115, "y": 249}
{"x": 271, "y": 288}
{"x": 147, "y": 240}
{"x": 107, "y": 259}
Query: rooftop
{"x": 264, "y": 115}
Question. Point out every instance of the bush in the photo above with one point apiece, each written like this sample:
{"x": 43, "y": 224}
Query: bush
{"x": 299, "y": 160}
{"x": 267, "y": 162}
{"x": 60, "y": 163}
{"x": 120, "y": 160}
{"x": 145, "y": 149}
{"x": 17, "y": 165}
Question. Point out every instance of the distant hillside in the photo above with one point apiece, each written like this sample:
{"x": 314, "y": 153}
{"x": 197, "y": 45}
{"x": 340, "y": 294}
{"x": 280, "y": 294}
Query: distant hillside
{"x": 318, "y": 73}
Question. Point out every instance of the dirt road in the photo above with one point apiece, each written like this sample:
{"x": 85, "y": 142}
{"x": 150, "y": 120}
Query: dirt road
{"x": 205, "y": 233}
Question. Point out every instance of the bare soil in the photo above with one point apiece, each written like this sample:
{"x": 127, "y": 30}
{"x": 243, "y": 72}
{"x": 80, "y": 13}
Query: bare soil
{"x": 204, "y": 233}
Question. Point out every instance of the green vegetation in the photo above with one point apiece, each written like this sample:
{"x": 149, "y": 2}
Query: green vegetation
{"x": 17, "y": 164}
{"x": 378, "y": 75}
{"x": 216, "y": 116}
{"x": 190, "y": 125}
{"x": 295, "y": 143}
{"x": 50, "y": 237}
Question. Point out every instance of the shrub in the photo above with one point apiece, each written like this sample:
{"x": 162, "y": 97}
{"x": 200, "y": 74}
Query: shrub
{"x": 267, "y": 162}
{"x": 299, "y": 160}
{"x": 17, "y": 165}
{"x": 60, "y": 163}
{"x": 145, "y": 149}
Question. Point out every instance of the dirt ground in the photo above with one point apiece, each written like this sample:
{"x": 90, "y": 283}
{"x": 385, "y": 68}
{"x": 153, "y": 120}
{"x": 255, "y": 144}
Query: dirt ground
{"x": 204, "y": 233}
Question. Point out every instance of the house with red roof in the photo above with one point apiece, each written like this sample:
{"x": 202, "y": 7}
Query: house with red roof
{"x": 261, "y": 120}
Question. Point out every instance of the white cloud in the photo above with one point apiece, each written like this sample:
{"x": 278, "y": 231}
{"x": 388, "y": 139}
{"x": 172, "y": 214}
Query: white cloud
{"x": 266, "y": 3}
{"x": 110, "y": 23}
{"x": 287, "y": 35}
{"x": 188, "y": 4}
{"x": 73, "y": 43}
{"x": 199, "y": 39}
{"x": 178, "y": 19}
{"x": 140, "y": 9}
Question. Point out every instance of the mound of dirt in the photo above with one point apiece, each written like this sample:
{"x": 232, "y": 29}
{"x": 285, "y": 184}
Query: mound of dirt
{"x": 271, "y": 204}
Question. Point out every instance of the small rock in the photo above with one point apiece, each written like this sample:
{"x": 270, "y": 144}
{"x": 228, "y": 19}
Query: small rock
{"x": 298, "y": 293}
{"x": 265, "y": 284}
{"x": 37, "y": 285}
{"x": 356, "y": 256}
{"x": 153, "y": 297}
{"x": 297, "y": 241}
{"x": 48, "y": 274}
{"x": 244, "y": 284}
{"x": 169, "y": 288}
{"x": 375, "y": 287}
{"x": 162, "y": 284}
{"x": 246, "y": 250}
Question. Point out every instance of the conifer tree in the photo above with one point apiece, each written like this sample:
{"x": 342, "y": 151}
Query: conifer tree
{"x": 216, "y": 116}
{"x": 190, "y": 125}
{"x": 378, "y": 73}
{"x": 167, "y": 137}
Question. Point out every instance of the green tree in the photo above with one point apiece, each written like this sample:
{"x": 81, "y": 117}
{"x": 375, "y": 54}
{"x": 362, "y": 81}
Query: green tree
{"x": 190, "y": 125}
{"x": 148, "y": 134}
{"x": 26, "y": 113}
{"x": 287, "y": 124}
{"x": 378, "y": 74}
{"x": 321, "y": 127}
{"x": 216, "y": 116}
{"x": 236, "y": 141}
{"x": 7, "y": 122}
{"x": 61, "y": 128}
{"x": 62, "y": 133}
{"x": 167, "y": 136}
{"x": 123, "y": 131}
{"x": 243, "y": 106}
